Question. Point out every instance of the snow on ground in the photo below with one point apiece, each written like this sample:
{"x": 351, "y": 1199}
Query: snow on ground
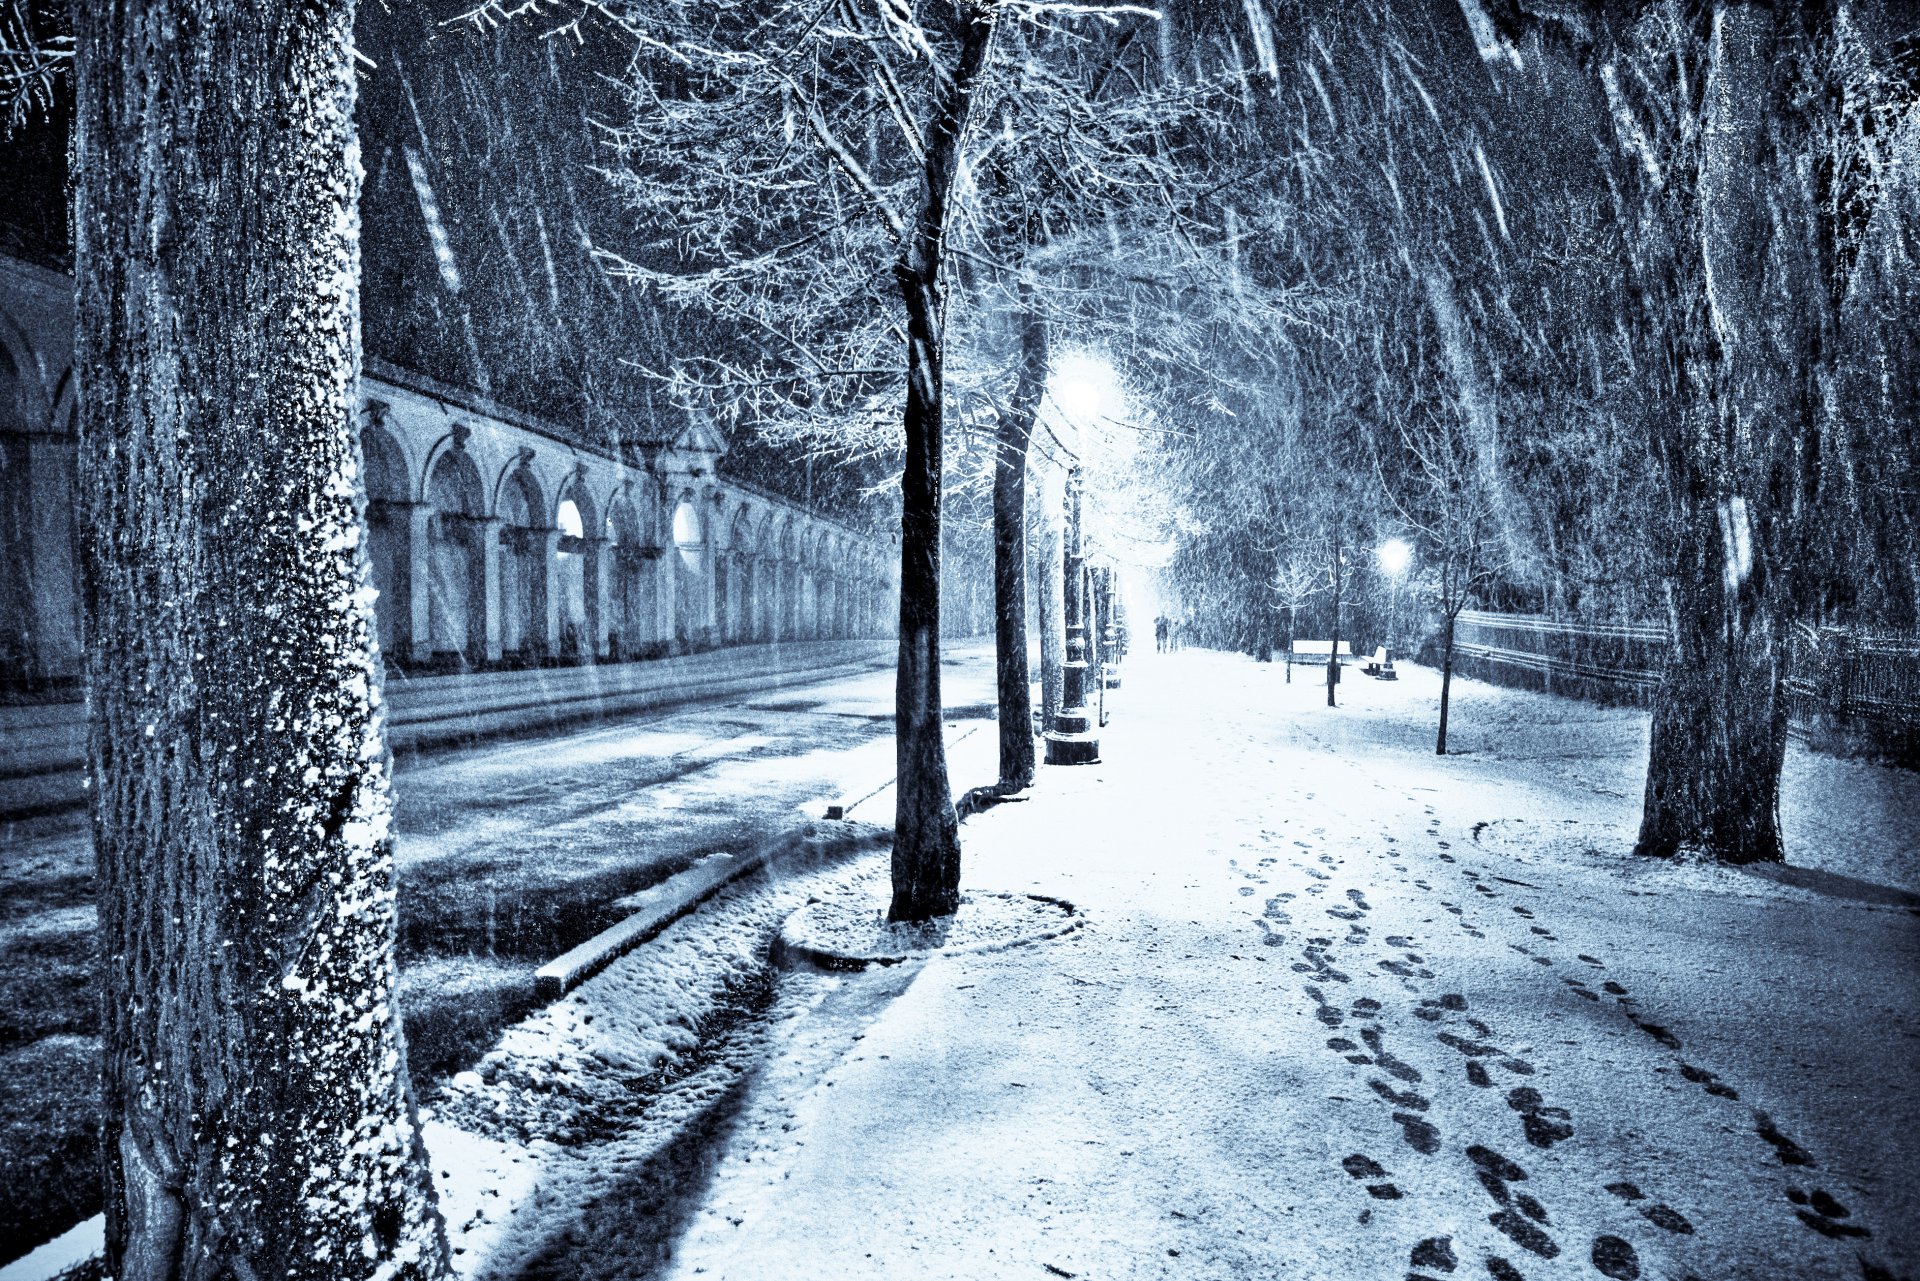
{"x": 510, "y": 853}
{"x": 849, "y": 929}
{"x": 605, "y": 1096}
{"x": 1342, "y": 1008}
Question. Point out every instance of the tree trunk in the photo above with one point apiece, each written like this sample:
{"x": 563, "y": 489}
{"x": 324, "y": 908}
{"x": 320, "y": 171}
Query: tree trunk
{"x": 1719, "y": 725}
{"x": 1289, "y": 644}
{"x": 1333, "y": 656}
{"x": 1010, "y": 552}
{"x": 1719, "y": 735}
{"x": 1050, "y": 595}
{"x": 257, "y": 1116}
{"x": 926, "y": 830}
{"x": 1446, "y": 682}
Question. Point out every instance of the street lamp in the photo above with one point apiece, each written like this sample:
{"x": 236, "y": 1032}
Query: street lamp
{"x": 1394, "y": 555}
{"x": 1072, "y": 738}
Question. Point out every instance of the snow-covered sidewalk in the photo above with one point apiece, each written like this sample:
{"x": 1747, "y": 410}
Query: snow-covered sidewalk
{"x": 1341, "y": 1009}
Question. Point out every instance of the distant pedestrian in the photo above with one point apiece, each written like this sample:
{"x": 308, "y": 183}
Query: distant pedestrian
{"x": 1160, "y": 633}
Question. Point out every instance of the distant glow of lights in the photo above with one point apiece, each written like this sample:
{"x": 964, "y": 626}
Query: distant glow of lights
{"x": 1086, "y": 390}
{"x": 1395, "y": 554}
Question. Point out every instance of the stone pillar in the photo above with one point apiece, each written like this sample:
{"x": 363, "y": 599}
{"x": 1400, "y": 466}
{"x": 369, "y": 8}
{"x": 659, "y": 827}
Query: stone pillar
{"x": 736, "y": 596}
{"x": 419, "y": 517}
{"x": 767, "y": 584}
{"x": 708, "y": 616}
{"x": 666, "y": 585}
{"x": 599, "y": 626}
{"x": 52, "y": 567}
{"x": 546, "y": 589}
{"x": 746, "y": 620}
{"x": 488, "y": 528}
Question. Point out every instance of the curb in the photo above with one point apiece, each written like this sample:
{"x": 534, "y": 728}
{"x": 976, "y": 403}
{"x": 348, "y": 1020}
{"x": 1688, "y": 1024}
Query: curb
{"x": 680, "y": 894}
{"x": 788, "y": 951}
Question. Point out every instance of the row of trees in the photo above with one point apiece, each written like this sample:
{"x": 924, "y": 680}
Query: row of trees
{"x": 1623, "y": 293}
{"x": 1648, "y": 346}
{"x": 827, "y": 174}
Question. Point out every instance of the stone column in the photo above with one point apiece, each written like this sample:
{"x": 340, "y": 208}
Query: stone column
{"x": 774, "y": 584}
{"x": 708, "y": 616}
{"x": 52, "y": 567}
{"x": 419, "y": 579}
{"x": 546, "y": 589}
{"x": 666, "y": 587}
{"x": 598, "y": 562}
{"x": 488, "y": 529}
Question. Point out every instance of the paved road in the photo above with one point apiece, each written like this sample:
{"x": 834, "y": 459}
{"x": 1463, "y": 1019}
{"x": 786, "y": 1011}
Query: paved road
{"x": 510, "y": 853}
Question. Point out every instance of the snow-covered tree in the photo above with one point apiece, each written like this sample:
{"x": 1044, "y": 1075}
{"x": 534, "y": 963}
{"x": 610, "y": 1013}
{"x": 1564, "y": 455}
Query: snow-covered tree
{"x": 258, "y": 1118}
{"x": 1757, "y": 156}
{"x": 801, "y": 166}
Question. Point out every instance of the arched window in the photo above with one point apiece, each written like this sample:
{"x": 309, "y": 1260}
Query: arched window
{"x": 691, "y": 618}
{"x": 630, "y": 588}
{"x": 522, "y": 562}
{"x": 574, "y": 572}
{"x": 389, "y": 540}
{"x": 456, "y": 570}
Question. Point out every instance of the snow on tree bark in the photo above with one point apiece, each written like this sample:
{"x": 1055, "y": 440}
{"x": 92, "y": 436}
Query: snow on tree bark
{"x": 258, "y": 1119}
{"x": 1010, "y": 551}
{"x": 1720, "y": 718}
{"x": 926, "y": 832}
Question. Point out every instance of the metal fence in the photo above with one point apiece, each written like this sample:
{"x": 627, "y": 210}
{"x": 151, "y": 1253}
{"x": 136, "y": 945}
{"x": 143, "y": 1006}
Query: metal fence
{"x": 1845, "y": 680}
{"x": 1847, "y": 676}
{"x": 1607, "y": 662}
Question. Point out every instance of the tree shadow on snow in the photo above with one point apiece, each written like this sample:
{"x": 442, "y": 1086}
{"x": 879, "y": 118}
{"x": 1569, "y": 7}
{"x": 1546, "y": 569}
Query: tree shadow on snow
{"x": 1833, "y": 884}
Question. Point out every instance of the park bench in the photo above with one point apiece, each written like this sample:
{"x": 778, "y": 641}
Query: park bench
{"x": 1317, "y": 651}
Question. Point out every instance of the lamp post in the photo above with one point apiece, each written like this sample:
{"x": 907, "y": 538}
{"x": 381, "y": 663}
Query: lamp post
{"x": 1110, "y": 646}
{"x": 1071, "y": 739}
{"x": 1394, "y": 554}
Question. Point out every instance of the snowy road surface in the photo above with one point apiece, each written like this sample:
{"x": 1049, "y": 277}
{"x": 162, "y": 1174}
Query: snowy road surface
{"x": 1342, "y": 1009}
{"x": 510, "y": 853}
{"x": 514, "y": 852}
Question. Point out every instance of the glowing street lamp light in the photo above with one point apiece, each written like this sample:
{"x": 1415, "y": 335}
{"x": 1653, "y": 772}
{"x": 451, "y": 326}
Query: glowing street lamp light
{"x": 1395, "y": 554}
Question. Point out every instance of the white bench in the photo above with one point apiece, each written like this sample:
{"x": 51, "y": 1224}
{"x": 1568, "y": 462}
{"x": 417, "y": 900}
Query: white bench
{"x": 1380, "y": 665}
{"x": 1317, "y": 651}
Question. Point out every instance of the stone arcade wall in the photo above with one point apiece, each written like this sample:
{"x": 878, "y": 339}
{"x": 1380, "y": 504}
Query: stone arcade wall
{"x": 498, "y": 545}
{"x": 496, "y": 542}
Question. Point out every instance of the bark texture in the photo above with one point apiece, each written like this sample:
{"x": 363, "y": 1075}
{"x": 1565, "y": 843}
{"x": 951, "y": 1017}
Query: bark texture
{"x": 1050, "y": 600}
{"x": 1333, "y": 658}
{"x": 1010, "y": 553}
{"x": 258, "y": 1121}
{"x": 926, "y": 830}
{"x": 1719, "y": 722}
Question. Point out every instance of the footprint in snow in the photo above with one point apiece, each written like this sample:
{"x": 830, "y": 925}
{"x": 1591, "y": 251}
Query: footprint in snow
{"x": 1661, "y": 1215}
{"x": 1362, "y": 1167}
{"x": 1821, "y": 1212}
